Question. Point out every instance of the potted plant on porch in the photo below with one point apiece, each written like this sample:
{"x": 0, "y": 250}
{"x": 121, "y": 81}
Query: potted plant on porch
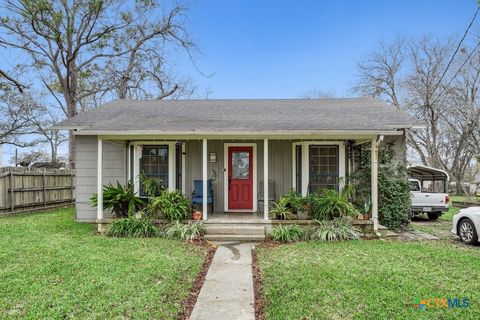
{"x": 366, "y": 210}
{"x": 197, "y": 215}
{"x": 280, "y": 210}
{"x": 296, "y": 203}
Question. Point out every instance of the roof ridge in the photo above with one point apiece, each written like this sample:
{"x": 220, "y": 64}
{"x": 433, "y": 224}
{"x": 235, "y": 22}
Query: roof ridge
{"x": 243, "y": 99}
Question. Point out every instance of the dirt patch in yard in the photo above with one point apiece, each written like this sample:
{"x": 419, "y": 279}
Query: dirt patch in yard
{"x": 189, "y": 303}
{"x": 439, "y": 228}
{"x": 259, "y": 302}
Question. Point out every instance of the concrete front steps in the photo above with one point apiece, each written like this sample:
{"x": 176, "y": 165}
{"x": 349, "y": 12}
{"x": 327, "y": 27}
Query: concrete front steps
{"x": 234, "y": 232}
{"x": 228, "y": 229}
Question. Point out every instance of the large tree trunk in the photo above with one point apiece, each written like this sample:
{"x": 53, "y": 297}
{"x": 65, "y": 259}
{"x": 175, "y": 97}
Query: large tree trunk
{"x": 71, "y": 149}
{"x": 53, "y": 156}
{"x": 72, "y": 112}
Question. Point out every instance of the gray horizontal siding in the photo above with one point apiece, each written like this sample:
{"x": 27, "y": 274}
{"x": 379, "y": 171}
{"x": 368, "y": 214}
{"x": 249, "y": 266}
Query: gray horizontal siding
{"x": 397, "y": 144}
{"x": 114, "y": 169}
{"x": 280, "y": 167}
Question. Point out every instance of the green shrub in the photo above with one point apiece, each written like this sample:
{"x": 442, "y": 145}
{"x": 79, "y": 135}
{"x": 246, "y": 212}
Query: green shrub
{"x": 394, "y": 200}
{"x": 280, "y": 210}
{"x": 394, "y": 197}
{"x": 121, "y": 200}
{"x": 288, "y": 233}
{"x": 294, "y": 200}
{"x": 309, "y": 200}
{"x": 185, "y": 231}
{"x": 333, "y": 204}
{"x": 133, "y": 227}
{"x": 151, "y": 185}
{"x": 338, "y": 229}
{"x": 172, "y": 205}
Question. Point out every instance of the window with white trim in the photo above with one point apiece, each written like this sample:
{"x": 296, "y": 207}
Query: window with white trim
{"x": 323, "y": 167}
{"x": 154, "y": 164}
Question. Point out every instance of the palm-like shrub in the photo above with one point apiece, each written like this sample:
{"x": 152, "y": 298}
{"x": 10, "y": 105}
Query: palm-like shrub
{"x": 281, "y": 210}
{"x": 333, "y": 204}
{"x": 121, "y": 200}
{"x": 294, "y": 200}
{"x": 172, "y": 205}
{"x": 288, "y": 233}
{"x": 338, "y": 229}
{"x": 150, "y": 185}
{"x": 133, "y": 227}
{"x": 189, "y": 231}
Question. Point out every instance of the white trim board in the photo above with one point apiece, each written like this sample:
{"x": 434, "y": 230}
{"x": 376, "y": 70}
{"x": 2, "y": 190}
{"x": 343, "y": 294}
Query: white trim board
{"x": 273, "y": 135}
{"x": 225, "y": 174}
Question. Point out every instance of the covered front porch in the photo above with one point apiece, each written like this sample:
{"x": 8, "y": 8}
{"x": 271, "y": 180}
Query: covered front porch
{"x": 232, "y": 170}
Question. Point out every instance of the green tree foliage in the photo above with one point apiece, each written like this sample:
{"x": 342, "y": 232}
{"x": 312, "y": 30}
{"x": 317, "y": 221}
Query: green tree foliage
{"x": 81, "y": 52}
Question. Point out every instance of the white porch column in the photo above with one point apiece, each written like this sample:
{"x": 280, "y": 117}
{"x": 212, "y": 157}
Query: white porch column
{"x": 204, "y": 178}
{"x": 374, "y": 165}
{"x": 171, "y": 167}
{"x": 265, "y": 179}
{"x": 99, "y": 179}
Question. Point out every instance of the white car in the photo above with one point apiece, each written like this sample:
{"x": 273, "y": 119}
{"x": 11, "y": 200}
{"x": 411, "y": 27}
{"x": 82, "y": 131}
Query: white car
{"x": 466, "y": 224}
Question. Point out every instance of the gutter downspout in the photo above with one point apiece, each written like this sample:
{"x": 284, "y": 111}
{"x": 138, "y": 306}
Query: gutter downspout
{"x": 374, "y": 165}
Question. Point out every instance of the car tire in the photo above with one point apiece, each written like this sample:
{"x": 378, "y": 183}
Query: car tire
{"x": 433, "y": 215}
{"x": 467, "y": 232}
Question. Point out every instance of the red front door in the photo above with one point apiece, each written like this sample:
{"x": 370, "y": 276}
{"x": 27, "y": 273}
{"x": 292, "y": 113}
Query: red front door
{"x": 240, "y": 178}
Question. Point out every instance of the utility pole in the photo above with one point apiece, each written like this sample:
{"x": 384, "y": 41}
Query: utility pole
{"x": 16, "y": 157}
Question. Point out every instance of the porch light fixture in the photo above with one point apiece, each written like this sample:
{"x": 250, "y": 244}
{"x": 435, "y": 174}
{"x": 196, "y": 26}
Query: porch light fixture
{"x": 213, "y": 157}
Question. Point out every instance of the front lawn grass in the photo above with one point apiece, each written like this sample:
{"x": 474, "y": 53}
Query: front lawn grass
{"x": 368, "y": 279}
{"x": 470, "y": 198}
{"x": 448, "y": 216}
{"x": 54, "y": 268}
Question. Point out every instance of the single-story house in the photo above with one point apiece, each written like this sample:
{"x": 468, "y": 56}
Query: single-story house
{"x": 306, "y": 145}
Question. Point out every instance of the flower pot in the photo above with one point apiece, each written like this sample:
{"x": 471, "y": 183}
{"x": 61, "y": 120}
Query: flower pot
{"x": 360, "y": 217}
{"x": 197, "y": 215}
{"x": 302, "y": 214}
{"x": 367, "y": 216}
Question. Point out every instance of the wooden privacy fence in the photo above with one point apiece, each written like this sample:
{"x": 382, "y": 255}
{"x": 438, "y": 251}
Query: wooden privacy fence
{"x": 28, "y": 189}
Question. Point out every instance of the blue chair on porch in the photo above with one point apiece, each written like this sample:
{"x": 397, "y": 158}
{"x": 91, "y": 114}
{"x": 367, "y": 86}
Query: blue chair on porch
{"x": 197, "y": 194}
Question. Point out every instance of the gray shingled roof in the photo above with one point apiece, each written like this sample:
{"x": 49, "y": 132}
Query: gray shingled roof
{"x": 223, "y": 116}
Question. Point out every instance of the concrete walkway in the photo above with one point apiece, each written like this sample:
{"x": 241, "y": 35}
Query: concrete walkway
{"x": 227, "y": 292}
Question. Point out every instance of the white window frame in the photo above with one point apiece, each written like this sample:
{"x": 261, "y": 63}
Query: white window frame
{"x": 225, "y": 179}
{"x": 137, "y": 154}
{"x": 306, "y": 160}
